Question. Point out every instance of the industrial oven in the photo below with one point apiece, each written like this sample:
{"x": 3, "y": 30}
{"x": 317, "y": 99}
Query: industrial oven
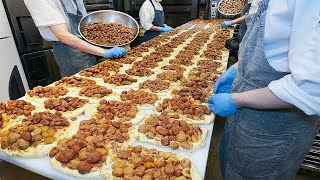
{"x": 94, "y": 5}
{"x": 35, "y": 53}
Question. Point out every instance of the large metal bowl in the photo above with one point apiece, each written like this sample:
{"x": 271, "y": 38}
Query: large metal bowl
{"x": 228, "y": 16}
{"x": 108, "y": 16}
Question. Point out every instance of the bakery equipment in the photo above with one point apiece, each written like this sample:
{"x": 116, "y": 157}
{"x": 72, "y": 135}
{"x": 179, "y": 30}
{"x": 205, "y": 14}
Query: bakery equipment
{"x": 94, "y": 5}
{"x": 12, "y": 79}
{"x": 108, "y": 16}
{"x": 35, "y": 53}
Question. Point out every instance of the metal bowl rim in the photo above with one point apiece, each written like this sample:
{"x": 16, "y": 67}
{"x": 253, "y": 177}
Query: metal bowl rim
{"x": 105, "y": 45}
{"x": 225, "y": 13}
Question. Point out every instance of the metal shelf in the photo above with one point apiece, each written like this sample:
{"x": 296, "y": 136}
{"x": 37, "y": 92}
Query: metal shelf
{"x": 312, "y": 160}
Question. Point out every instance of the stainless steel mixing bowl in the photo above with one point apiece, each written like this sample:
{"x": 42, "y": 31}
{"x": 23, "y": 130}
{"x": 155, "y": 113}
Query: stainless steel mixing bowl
{"x": 225, "y": 15}
{"x": 108, "y": 16}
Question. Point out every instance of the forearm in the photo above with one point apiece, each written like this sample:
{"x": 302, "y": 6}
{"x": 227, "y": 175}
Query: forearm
{"x": 235, "y": 65}
{"x": 154, "y": 28}
{"x": 239, "y": 20}
{"x": 62, "y": 33}
{"x": 259, "y": 99}
{"x": 77, "y": 43}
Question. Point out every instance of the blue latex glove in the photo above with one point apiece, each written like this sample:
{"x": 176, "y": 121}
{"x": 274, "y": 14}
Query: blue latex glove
{"x": 115, "y": 52}
{"x": 225, "y": 81}
{"x": 166, "y": 28}
{"x": 226, "y": 24}
{"x": 225, "y": 89}
{"x": 222, "y": 104}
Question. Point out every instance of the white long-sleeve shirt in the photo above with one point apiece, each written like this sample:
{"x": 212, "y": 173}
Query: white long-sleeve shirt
{"x": 146, "y": 13}
{"x": 292, "y": 44}
{"x": 46, "y": 13}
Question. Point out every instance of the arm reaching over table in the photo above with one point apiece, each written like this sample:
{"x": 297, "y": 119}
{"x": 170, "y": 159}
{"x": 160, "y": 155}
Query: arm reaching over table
{"x": 62, "y": 33}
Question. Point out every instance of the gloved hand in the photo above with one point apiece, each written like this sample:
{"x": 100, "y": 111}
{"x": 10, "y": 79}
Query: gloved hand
{"x": 115, "y": 52}
{"x": 224, "y": 89}
{"x": 226, "y": 24}
{"x": 222, "y": 104}
{"x": 224, "y": 82}
{"x": 166, "y": 28}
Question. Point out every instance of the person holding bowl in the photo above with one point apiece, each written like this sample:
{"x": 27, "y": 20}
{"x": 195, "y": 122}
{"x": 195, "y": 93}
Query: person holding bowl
{"x": 57, "y": 21}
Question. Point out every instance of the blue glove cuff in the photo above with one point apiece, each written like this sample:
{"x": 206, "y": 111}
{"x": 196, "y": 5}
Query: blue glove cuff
{"x": 107, "y": 54}
{"x": 233, "y": 104}
{"x": 162, "y": 29}
{"x": 233, "y": 72}
{"x": 226, "y": 24}
{"x": 222, "y": 104}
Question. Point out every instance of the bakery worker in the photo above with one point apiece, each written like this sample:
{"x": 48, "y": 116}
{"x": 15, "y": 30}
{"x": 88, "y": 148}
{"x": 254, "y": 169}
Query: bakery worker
{"x": 152, "y": 19}
{"x": 250, "y": 7}
{"x": 57, "y": 21}
{"x": 272, "y": 95}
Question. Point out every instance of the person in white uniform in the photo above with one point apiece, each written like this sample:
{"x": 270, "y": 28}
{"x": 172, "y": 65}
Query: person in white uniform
{"x": 57, "y": 21}
{"x": 152, "y": 19}
{"x": 273, "y": 103}
{"x": 250, "y": 7}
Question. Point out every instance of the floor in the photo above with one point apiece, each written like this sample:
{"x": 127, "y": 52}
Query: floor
{"x": 11, "y": 172}
{"x": 213, "y": 165}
